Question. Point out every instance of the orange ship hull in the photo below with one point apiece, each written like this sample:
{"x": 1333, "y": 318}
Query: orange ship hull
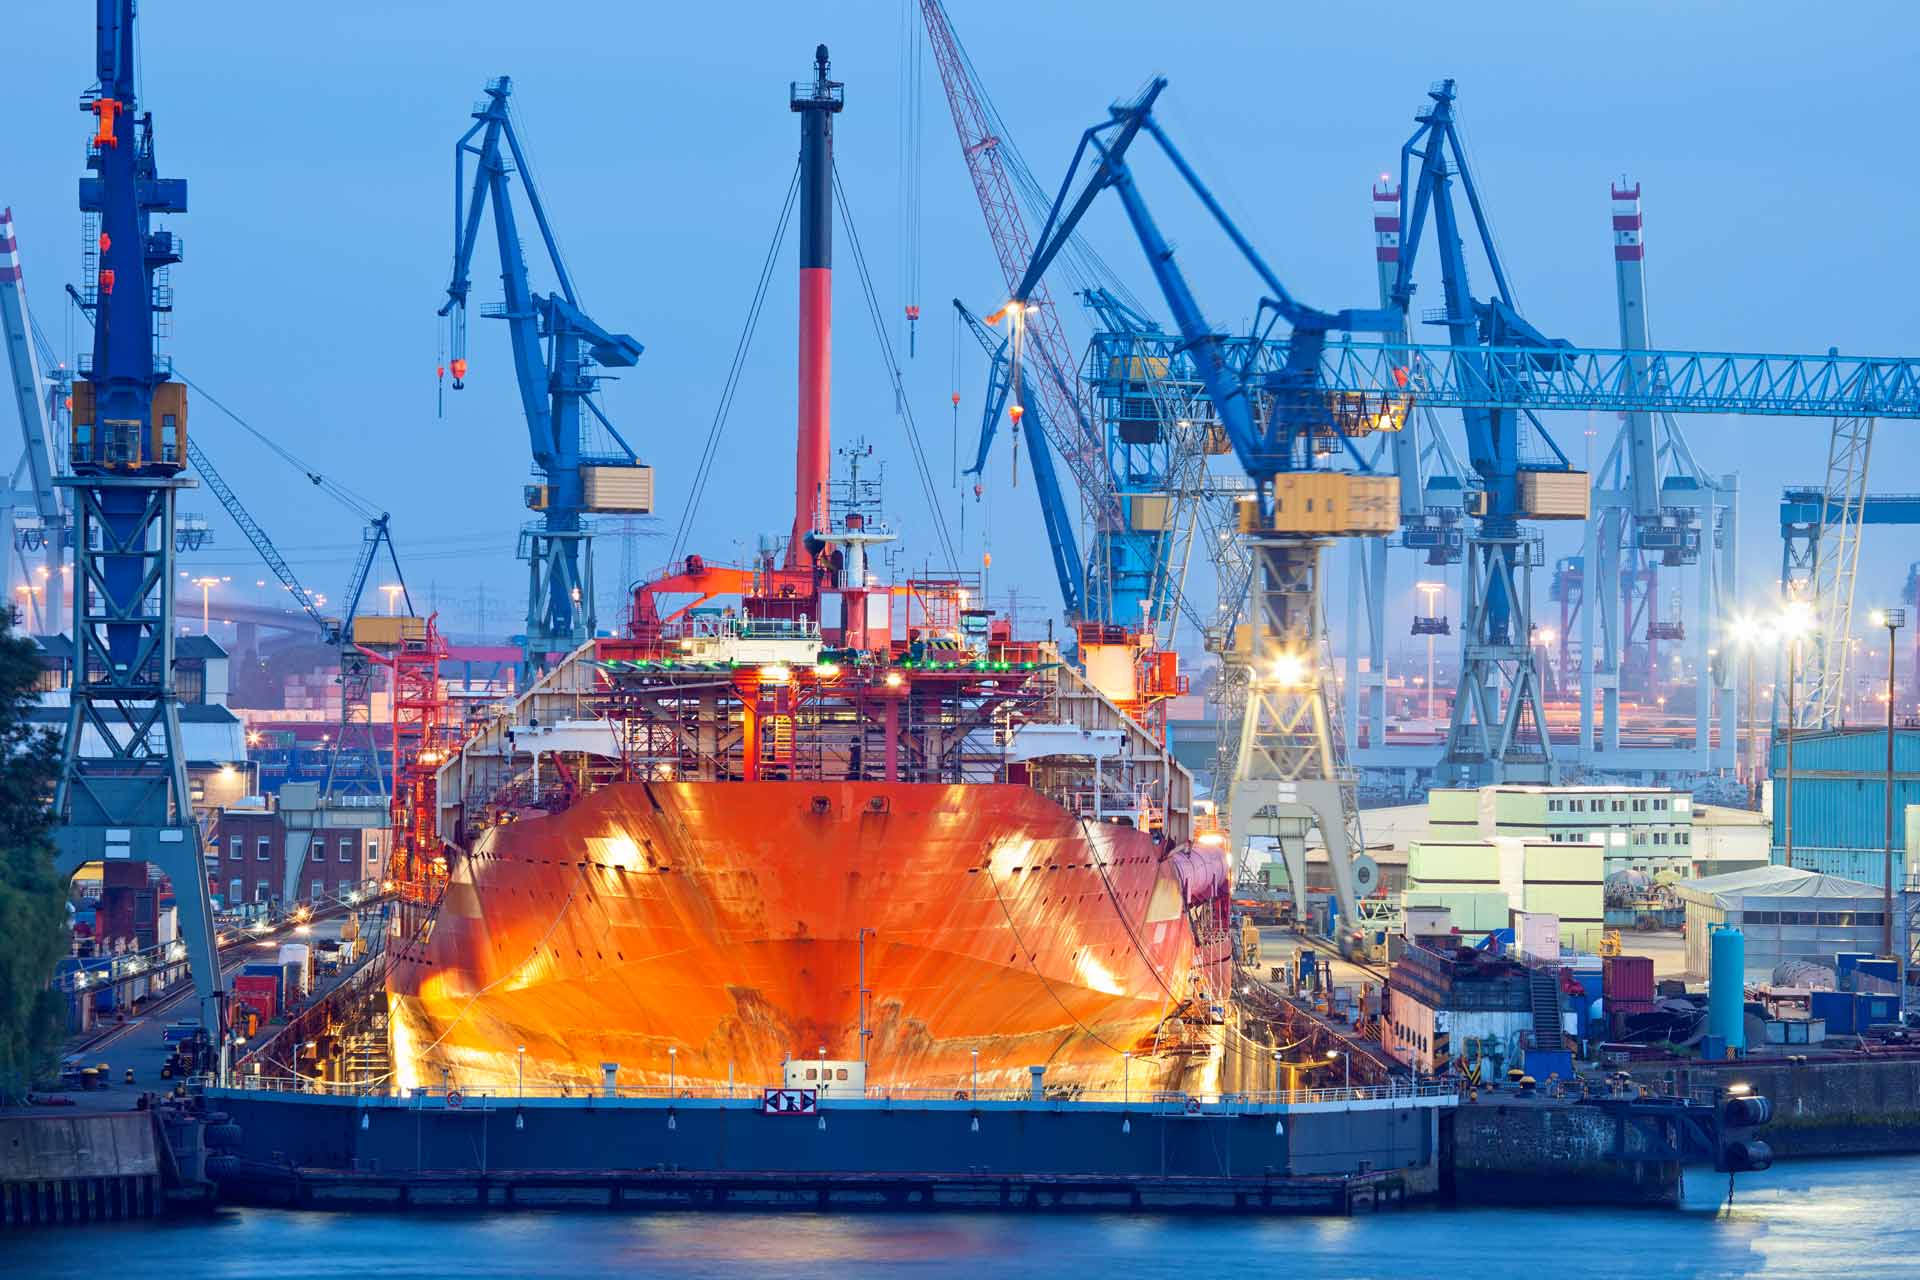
{"x": 711, "y": 931}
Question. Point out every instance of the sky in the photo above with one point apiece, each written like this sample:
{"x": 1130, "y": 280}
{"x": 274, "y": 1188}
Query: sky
{"x": 317, "y": 140}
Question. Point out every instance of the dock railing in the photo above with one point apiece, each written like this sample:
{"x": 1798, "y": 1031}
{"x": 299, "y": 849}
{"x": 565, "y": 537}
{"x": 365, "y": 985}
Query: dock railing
{"x": 1404, "y": 1093}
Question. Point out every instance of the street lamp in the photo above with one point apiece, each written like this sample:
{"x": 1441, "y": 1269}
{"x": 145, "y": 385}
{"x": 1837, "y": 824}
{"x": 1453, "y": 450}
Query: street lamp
{"x": 520, "y": 1071}
{"x": 1749, "y": 634}
{"x": 1346, "y": 1061}
{"x": 1544, "y": 637}
{"x": 1796, "y": 620}
{"x": 206, "y": 586}
{"x": 1892, "y": 620}
{"x": 393, "y": 590}
{"x": 1430, "y": 589}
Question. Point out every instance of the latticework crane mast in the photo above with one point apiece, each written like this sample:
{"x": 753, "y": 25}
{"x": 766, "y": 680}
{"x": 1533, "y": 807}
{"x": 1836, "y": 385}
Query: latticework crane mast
{"x": 1044, "y": 342}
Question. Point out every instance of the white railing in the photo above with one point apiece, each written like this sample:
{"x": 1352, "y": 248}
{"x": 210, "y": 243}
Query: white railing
{"x": 1167, "y": 1102}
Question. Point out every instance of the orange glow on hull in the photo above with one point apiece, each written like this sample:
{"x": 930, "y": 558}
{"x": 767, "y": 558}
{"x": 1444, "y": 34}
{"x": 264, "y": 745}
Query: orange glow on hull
{"x": 723, "y": 921}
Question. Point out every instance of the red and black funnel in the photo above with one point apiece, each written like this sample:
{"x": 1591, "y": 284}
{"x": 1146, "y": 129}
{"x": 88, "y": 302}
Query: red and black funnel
{"x": 817, "y": 103}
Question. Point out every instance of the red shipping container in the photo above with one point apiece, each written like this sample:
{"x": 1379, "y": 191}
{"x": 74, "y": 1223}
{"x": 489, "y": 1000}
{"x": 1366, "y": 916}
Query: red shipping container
{"x": 1627, "y": 980}
{"x": 258, "y": 992}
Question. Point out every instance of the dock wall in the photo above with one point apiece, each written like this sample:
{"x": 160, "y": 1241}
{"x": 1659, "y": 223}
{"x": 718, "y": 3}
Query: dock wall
{"x": 1844, "y": 1107}
{"x": 1538, "y": 1153}
{"x": 78, "y": 1167}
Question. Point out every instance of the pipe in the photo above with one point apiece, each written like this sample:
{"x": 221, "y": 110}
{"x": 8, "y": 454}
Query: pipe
{"x": 817, "y": 103}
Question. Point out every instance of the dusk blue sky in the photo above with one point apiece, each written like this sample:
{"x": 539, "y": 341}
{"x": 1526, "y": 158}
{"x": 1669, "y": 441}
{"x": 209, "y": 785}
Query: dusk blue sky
{"x": 1771, "y": 139}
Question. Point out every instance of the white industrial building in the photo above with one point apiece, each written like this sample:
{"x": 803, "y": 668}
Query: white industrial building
{"x": 1787, "y": 913}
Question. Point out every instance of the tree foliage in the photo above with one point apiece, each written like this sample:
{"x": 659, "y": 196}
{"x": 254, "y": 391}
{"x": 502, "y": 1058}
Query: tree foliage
{"x": 32, "y": 897}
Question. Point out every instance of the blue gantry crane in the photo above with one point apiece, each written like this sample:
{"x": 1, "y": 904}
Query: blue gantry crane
{"x": 122, "y": 792}
{"x": 1286, "y": 432}
{"x": 557, "y": 348}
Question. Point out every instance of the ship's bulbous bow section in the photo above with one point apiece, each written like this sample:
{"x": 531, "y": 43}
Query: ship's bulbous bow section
{"x": 709, "y": 932}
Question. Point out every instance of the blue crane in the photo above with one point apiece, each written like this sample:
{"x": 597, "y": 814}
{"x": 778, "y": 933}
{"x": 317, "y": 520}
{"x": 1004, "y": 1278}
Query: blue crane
{"x": 1283, "y": 428}
{"x": 1054, "y": 511}
{"x": 556, "y": 349}
{"x": 123, "y": 791}
{"x": 1502, "y": 373}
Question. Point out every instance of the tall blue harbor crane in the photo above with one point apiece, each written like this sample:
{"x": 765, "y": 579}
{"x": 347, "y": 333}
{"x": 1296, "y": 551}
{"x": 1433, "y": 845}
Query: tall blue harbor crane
{"x": 1286, "y": 433}
{"x": 1502, "y": 373}
{"x": 557, "y": 347}
{"x": 122, "y": 793}
{"x": 1499, "y": 691}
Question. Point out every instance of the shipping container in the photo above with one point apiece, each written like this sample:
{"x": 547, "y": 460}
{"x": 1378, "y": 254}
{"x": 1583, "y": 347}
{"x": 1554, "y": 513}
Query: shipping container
{"x": 625, "y": 490}
{"x": 1542, "y": 1063}
{"x": 1553, "y": 495}
{"x": 1627, "y": 980}
{"x": 1329, "y": 502}
{"x": 381, "y": 630}
{"x": 1835, "y": 1008}
{"x": 259, "y": 993}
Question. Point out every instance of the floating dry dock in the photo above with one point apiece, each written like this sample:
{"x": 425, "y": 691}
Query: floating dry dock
{"x": 1312, "y": 1152}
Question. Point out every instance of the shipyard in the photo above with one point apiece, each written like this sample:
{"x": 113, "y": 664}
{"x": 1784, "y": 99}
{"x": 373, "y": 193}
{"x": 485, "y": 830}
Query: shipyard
{"x": 975, "y": 659}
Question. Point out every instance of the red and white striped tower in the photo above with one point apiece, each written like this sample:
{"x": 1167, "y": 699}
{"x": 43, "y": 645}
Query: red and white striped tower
{"x": 1386, "y": 235}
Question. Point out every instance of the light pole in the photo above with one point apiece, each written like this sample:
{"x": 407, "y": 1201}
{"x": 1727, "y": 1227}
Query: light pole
{"x": 1747, "y": 634}
{"x": 206, "y": 586}
{"x": 1430, "y": 589}
{"x": 1346, "y": 1062}
{"x": 393, "y": 590}
{"x": 1892, "y": 620}
{"x": 1795, "y": 621}
{"x": 520, "y": 1071}
{"x": 1544, "y": 637}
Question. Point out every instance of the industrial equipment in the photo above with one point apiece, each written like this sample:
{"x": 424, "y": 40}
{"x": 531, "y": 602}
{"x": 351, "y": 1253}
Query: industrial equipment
{"x": 1284, "y": 430}
{"x": 122, "y": 792}
{"x": 556, "y": 349}
{"x": 45, "y": 527}
{"x": 1654, "y": 507}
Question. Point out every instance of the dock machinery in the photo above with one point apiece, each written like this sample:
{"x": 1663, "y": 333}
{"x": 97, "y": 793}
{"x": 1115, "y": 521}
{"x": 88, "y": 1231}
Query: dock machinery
{"x": 1502, "y": 373}
{"x": 42, "y": 502}
{"x": 557, "y": 347}
{"x": 1285, "y": 432}
{"x": 1654, "y": 506}
{"x": 122, "y": 792}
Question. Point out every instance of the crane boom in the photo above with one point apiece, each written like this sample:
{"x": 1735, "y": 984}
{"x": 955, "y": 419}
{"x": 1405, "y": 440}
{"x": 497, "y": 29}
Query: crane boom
{"x": 1075, "y": 439}
{"x": 556, "y": 348}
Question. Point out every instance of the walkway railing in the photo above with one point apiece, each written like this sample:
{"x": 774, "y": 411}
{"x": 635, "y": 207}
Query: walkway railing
{"x": 1400, "y": 1092}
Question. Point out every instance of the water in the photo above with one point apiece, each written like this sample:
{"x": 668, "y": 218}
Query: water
{"x": 1822, "y": 1218}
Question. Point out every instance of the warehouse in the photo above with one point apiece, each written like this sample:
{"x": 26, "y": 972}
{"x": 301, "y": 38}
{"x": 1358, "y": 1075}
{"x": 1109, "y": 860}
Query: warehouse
{"x": 1840, "y": 800}
{"x": 1787, "y": 913}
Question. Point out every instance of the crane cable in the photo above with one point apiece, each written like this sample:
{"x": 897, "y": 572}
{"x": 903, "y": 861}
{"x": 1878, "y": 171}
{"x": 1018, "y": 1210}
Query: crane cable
{"x": 354, "y": 502}
{"x": 727, "y": 392}
{"x": 893, "y": 370}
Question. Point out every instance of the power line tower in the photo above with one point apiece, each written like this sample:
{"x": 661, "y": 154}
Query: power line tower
{"x": 123, "y": 794}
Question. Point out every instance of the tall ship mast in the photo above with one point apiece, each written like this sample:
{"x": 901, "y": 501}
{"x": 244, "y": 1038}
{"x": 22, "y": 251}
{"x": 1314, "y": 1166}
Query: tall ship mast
{"x": 799, "y": 814}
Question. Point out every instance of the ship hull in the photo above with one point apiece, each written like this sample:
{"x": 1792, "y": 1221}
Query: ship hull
{"x": 709, "y": 932}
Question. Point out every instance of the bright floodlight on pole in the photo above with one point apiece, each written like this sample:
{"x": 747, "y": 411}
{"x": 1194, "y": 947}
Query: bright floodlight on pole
{"x": 1796, "y": 621}
{"x": 1290, "y": 671}
{"x": 1892, "y": 620}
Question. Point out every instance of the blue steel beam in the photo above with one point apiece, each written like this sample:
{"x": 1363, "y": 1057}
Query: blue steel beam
{"x": 1054, "y": 511}
{"x": 1579, "y": 379}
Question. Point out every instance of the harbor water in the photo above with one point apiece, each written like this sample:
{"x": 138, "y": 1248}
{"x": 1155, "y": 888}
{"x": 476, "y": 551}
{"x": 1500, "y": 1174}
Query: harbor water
{"x": 1803, "y": 1219}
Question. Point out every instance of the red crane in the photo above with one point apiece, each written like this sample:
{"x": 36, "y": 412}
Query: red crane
{"x": 1074, "y": 438}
